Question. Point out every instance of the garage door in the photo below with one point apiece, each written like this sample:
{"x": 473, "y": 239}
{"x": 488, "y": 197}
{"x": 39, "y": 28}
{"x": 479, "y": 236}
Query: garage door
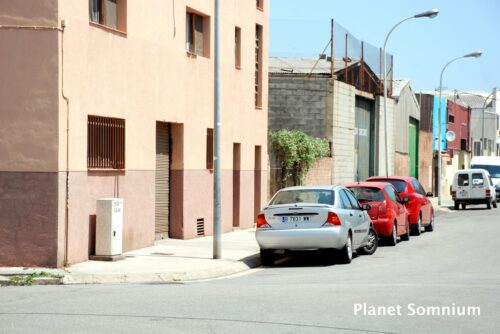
{"x": 363, "y": 138}
{"x": 162, "y": 180}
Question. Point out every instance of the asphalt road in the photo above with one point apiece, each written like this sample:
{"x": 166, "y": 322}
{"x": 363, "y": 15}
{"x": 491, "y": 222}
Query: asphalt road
{"x": 457, "y": 265}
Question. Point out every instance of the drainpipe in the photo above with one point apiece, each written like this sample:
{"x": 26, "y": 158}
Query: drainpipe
{"x": 61, "y": 30}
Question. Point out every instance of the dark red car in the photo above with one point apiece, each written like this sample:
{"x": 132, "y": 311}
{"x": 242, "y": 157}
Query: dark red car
{"x": 419, "y": 206}
{"x": 388, "y": 213}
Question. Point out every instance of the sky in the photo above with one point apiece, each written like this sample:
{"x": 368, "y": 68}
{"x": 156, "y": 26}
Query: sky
{"x": 421, "y": 47}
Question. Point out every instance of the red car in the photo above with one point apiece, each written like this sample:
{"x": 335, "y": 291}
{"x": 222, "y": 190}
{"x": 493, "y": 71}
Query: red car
{"x": 388, "y": 213}
{"x": 419, "y": 206}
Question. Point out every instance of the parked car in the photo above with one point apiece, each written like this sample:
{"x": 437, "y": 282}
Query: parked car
{"x": 312, "y": 218}
{"x": 419, "y": 206}
{"x": 473, "y": 186}
{"x": 388, "y": 212}
{"x": 492, "y": 165}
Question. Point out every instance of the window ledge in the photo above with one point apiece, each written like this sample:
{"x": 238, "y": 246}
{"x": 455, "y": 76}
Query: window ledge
{"x": 260, "y": 9}
{"x": 237, "y": 67}
{"x": 105, "y": 170}
{"x": 258, "y": 107}
{"x": 191, "y": 54}
{"x": 107, "y": 28}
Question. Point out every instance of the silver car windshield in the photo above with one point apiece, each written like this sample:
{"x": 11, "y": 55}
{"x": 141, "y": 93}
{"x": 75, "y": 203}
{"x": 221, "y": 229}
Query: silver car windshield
{"x": 315, "y": 196}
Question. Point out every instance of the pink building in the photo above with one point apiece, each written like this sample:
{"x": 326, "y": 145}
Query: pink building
{"x": 114, "y": 98}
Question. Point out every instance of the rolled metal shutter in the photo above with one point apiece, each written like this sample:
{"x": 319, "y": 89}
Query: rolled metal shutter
{"x": 162, "y": 180}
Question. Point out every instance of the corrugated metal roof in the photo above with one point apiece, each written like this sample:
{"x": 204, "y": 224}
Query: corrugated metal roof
{"x": 398, "y": 85}
{"x": 303, "y": 65}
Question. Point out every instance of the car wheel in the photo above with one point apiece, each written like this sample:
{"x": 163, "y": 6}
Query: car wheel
{"x": 494, "y": 202}
{"x": 464, "y": 206}
{"x": 488, "y": 205}
{"x": 371, "y": 243}
{"x": 457, "y": 206}
{"x": 267, "y": 257}
{"x": 406, "y": 236}
{"x": 345, "y": 255}
{"x": 392, "y": 240}
{"x": 430, "y": 227}
{"x": 417, "y": 229}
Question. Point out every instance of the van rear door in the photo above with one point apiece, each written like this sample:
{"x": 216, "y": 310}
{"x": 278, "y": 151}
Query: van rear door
{"x": 478, "y": 185}
{"x": 463, "y": 185}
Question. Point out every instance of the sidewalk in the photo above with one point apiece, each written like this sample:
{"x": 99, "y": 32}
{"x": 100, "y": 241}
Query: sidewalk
{"x": 446, "y": 203}
{"x": 169, "y": 260}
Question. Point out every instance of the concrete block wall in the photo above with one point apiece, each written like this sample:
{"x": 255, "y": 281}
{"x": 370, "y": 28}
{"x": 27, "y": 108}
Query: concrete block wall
{"x": 298, "y": 103}
{"x": 342, "y": 132}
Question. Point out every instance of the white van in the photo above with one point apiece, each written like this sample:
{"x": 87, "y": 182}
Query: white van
{"x": 473, "y": 186}
{"x": 492, "y": 165}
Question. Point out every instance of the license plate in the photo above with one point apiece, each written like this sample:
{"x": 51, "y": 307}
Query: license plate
{"x": 294, "y": 219}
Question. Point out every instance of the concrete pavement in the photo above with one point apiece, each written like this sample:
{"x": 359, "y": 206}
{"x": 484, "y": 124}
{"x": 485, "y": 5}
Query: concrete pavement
{"x": 169, "y": 260}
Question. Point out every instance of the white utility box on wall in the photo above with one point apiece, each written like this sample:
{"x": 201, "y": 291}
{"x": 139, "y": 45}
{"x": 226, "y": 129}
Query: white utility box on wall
{"x": 109, "y": 226}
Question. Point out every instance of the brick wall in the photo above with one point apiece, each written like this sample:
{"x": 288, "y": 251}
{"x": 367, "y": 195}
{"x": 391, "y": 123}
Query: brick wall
{"x": 320, "y": 173}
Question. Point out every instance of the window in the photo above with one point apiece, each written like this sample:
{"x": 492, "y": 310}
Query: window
{"x": 210, "y": 149}
{"x": 354, "y": 202}
{"x": 418, "y": 187}
{"x": 391, "y": 193}
{"x": 258, "y": 66}
{"x": 197, "y": 34}
{"x": 398, "y": 184}
{"x": 463, "y": 180}
{"x": 260, "y": 4}
{"x": 110, "y": 13}
{"x": 344, "y": 200}
{"x": 477, "y": 179}
{"x": 451, "y": 119}
{"x": 477, "y": 148}
{"x": 364, "y": 194}
{"x": 463, "y": 145}
{"x": 237, "y": 47}
{"x": 315, "y": 196}
{"x": 105, "y": 143}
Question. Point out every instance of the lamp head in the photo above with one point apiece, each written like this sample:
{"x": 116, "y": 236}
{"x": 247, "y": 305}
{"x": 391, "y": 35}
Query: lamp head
{"x": 475, "y": 54}
{"x": 430, "y": 14}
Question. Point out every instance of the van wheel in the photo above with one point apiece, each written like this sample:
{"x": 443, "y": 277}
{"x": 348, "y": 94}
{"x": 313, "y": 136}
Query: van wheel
{"x": 464, "y": 206}
{"x": 457, "y": 206}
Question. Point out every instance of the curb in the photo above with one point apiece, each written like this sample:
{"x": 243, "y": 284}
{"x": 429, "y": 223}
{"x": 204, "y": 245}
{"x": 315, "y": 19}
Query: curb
{"x": 166, "y": 277}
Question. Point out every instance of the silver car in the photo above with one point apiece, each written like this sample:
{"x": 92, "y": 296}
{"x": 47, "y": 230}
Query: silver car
{"x": 315, "y": 217}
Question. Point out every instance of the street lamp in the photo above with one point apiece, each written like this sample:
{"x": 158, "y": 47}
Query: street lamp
{"x": 475, "y": 54}
{"x": 430, "y": 14}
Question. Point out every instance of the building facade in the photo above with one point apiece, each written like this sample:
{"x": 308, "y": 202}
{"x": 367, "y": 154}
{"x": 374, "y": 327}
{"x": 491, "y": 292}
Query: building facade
{"x": 304, "y": 96}
{"x": 116, "y": 99}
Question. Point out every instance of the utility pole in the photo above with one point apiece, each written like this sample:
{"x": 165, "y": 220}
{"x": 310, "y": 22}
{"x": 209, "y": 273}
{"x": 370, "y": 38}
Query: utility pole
{"x": 217, "y": 127}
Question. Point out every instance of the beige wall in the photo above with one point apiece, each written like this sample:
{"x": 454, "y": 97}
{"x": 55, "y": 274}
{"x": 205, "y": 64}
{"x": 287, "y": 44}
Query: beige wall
{"x": 143, "y": 75}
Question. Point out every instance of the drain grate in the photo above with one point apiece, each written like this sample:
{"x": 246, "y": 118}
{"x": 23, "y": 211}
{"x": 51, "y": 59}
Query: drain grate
{"x": 200, "y": 227}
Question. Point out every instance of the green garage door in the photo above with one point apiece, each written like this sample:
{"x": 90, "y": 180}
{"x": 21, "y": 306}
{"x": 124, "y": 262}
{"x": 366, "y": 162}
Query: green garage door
{"x": 413, "y": 147}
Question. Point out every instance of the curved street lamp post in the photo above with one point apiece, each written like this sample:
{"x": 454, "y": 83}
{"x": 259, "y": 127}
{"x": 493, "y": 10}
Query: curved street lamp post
{"x": 475, "y": 54}
{"x": 430, "y": 14}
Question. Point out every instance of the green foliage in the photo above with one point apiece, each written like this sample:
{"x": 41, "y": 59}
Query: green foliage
{"x": 297, "y": 152}
{"x": 28, "y": 279}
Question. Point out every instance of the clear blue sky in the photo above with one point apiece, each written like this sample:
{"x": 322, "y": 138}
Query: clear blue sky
{"x": 421, "y": 47}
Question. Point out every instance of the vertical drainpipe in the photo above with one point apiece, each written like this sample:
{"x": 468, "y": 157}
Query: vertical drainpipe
{"x": 66, "y": 208}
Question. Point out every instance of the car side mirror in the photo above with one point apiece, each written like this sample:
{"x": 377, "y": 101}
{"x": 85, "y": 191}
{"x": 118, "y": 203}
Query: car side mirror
{"x": 366, "y": 207}
{"x": 429, "y": 194}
